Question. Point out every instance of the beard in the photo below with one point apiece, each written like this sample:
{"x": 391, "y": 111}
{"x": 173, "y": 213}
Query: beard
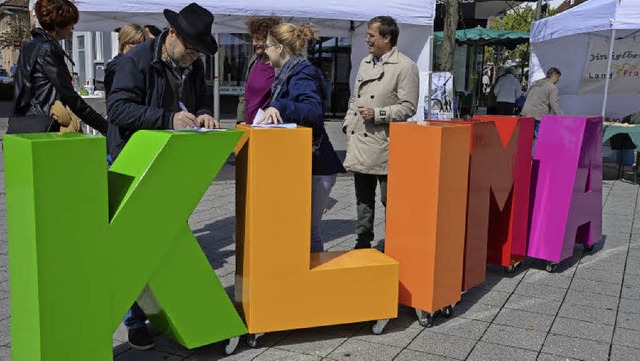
{"x": 185, "y": 60}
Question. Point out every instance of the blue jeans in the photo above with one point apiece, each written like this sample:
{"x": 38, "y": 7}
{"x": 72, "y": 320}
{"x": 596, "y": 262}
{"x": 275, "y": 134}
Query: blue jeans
{"x": 320, "y": 189}
{"x": 135, "y": 318}
{"x": 536, "y": 129}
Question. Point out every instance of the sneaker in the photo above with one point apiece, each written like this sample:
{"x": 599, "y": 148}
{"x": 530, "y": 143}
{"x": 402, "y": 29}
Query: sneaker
{"x": 140, "y": 339}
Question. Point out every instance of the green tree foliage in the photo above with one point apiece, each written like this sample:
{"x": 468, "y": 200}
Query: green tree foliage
{"x": 519, "y": 18}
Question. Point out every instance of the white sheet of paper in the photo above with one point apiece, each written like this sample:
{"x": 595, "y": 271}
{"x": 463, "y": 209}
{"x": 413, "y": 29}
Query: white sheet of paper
{"x": 258, "y": 116}
{"x": 281, "y": 125}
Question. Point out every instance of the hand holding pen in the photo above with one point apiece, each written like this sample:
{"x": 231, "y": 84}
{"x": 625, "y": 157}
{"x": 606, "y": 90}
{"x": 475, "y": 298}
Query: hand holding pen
{"x": 184, "y": 119}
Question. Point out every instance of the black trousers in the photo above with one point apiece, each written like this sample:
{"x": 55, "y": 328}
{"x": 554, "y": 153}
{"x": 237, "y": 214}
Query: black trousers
{"x": 366, "y": 185}
{"x": 504, "y": 108}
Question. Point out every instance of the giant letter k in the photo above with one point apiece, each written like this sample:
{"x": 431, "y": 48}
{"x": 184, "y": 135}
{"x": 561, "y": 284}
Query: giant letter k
{"x": 83, "y": 245}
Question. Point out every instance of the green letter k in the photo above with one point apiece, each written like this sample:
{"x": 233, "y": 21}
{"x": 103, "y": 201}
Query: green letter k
{"x": 84, "y": 241}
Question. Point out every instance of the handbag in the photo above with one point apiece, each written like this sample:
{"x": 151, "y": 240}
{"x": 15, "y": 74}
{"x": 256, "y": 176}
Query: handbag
{"x": 32, "y": 124}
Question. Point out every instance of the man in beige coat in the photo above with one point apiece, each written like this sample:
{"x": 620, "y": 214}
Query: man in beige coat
{"x": 386, "y": 90}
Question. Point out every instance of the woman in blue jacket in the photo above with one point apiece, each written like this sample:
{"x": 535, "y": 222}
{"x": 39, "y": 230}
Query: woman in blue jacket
{"x": 297, "y": 97}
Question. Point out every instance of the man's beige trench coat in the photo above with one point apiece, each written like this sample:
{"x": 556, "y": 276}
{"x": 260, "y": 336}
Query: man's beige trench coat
{"x": 391, "y": 89}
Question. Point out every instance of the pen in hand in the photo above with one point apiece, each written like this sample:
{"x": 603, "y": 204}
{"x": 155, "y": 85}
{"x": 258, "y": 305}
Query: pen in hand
{"x": 184, "y": 109}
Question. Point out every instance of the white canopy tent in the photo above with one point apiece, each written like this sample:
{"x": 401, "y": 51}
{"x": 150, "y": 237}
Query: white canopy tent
{"x": 596, "y": 46}
{"x": 334, "y": 18}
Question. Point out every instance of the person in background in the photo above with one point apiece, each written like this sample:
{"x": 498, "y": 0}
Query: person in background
{"x": 542, "y": 98}
{"x": 297, "y": 97}
{"x": 151, "y": 31}
{"x": 507, "y": 90}
{"x": 259, "y": 74}
{"x": 328, "y": 90}
{"x": 153, "y": 83}
{"x": 486, "y": 82}
{"x": 129, "y": 36}
{"x": 42, "y": 75}
{"x": 386, "y": 90}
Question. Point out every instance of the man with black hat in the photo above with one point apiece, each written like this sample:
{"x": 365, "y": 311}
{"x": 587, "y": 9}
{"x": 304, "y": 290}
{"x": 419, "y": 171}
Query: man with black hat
{"x": 160, "y": 85}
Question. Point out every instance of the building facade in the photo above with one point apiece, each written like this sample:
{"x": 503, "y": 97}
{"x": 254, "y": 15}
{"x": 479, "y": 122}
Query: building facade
{"x": 14, "y": 25}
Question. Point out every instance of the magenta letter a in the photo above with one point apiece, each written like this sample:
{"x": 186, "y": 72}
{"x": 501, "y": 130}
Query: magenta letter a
{"x": 566, "y": 186}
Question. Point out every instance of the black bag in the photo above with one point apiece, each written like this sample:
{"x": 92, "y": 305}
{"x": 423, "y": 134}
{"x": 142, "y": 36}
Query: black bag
{"x": 32, "y": 124}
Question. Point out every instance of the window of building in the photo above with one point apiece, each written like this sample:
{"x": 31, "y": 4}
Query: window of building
{"x": 82, "y": 69}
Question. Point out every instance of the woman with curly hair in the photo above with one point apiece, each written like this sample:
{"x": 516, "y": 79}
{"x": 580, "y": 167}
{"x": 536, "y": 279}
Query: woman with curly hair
{"x": 42, "y": 76}
{"x": 260, "y": 74}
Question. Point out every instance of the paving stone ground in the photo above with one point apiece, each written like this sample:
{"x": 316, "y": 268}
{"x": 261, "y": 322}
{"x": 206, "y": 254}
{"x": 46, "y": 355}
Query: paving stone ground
{"x": 588, "y": 310}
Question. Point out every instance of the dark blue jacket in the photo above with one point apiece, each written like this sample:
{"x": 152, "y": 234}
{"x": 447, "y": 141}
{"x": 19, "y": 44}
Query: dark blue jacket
{"x": 301, "y": 101}
{"x": 136, "y": 97}
{"x": 109, "y": 74}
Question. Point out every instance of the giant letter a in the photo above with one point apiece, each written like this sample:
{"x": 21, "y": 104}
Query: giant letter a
{"x": 567, "y": 187}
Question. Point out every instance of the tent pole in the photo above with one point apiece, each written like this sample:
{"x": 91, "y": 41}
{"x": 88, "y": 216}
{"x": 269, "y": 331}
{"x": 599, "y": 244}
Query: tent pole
{"x": 428, "y": 96}
{"x": 608, "y": 73}
{"x": 216, "y": 81}
{"x": 474, "y": 83}
{"x": 539, "y": 10}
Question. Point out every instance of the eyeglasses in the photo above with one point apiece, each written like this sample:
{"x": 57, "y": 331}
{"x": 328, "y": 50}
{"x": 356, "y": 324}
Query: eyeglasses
{"x": 268, "y": 45}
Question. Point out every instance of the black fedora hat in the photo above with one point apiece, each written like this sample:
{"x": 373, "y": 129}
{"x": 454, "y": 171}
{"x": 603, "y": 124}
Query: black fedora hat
{"x": 193, "y": 25}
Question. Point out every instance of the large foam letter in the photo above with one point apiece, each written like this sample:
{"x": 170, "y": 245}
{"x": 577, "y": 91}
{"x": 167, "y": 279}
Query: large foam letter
{"x": 69, "y": 234}
{"x": 509, "y": 168}
{"x": 59, "y": 253}
{"x": 566, "y": 186}
{"x": 279, "y": 284}
{"x": 426, "y": 208}
{"x": 491, "y": 186}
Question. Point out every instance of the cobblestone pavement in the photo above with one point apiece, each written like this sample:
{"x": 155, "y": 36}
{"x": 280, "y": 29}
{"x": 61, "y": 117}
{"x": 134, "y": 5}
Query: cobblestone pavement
{"x": 588, "y": 310}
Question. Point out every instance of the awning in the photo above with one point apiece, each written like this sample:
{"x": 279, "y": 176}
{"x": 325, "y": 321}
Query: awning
{"x": 487, "y": 37}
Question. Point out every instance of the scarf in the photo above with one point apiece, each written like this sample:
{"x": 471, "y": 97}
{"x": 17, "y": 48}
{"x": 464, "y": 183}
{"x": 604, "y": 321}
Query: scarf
{"x": 284, "y": 74}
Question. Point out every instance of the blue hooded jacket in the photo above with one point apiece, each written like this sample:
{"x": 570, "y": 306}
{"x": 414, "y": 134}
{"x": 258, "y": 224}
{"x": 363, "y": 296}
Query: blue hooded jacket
{"x": 301, "y": 101}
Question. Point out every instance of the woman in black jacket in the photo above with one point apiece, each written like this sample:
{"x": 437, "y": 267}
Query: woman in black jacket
{"x": 42, "y": 76}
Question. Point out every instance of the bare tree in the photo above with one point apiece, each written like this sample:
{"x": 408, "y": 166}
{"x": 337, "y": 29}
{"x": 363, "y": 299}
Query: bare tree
{"x": 449, "y": 38}
{"x": 17, "y": 34}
